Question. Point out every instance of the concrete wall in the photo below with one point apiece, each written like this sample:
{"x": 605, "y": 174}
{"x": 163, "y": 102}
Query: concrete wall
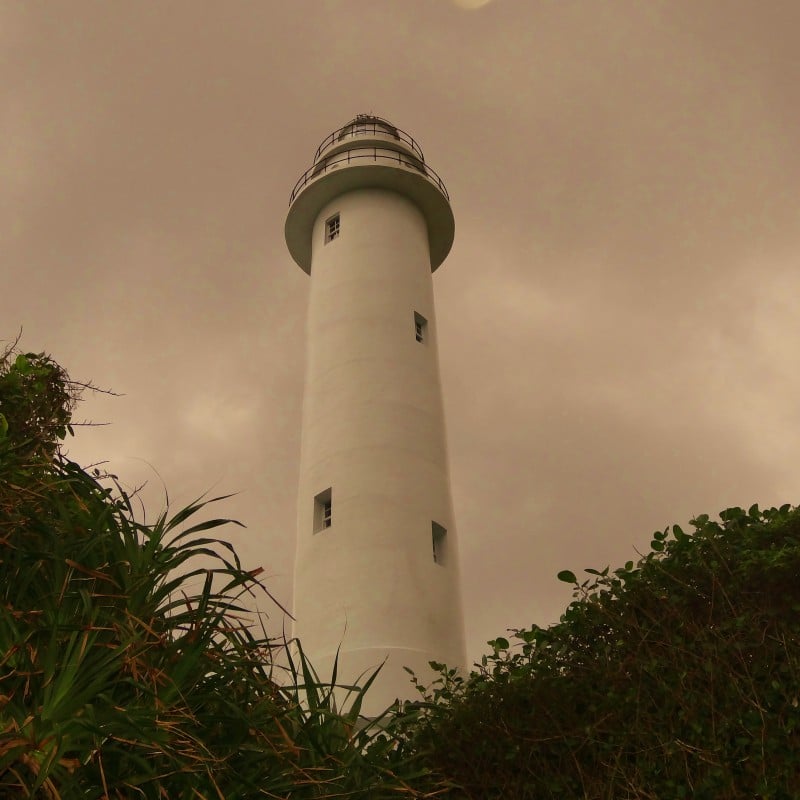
{"x": 373, "y": 432}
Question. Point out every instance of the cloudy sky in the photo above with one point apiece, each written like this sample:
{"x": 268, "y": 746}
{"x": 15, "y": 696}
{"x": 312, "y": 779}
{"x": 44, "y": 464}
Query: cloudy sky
{"x": 617, "y": 319}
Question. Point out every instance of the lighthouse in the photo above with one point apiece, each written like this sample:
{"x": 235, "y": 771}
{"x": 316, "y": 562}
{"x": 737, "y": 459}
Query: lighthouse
{"x": 376, "y": 576}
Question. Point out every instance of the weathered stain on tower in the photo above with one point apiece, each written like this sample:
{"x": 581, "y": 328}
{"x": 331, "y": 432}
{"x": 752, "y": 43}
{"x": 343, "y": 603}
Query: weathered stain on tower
{"x": 376, "y": 570}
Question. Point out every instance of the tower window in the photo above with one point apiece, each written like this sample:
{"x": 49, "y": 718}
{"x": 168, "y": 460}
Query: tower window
{"x": 323, "y": 511}
{"x": 420, "y": 327}
{"x": 331, "y": 228}
{"x": 438, "y": 535}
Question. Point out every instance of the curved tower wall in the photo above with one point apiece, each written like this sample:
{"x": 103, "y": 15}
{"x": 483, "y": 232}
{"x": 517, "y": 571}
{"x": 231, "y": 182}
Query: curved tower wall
{"x": 375, "y": 575}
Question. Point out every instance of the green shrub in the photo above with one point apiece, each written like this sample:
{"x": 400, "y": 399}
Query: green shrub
{"x": 677, "y": 676}
{"x": 128, "y": 668}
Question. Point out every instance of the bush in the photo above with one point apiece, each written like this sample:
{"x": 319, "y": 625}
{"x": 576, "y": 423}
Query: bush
{"x": 673, "y": 677}
{"x": 128, "y": 668}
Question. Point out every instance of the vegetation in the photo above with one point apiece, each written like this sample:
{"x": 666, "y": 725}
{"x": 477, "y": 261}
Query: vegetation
{"x": 127, "y": 669}
{"x": 677, "y": 676}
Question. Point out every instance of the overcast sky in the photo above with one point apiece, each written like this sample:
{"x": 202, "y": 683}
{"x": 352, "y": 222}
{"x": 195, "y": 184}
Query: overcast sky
{"x": 617, "y": 319}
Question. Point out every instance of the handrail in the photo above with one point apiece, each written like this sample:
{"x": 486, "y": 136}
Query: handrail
{"x": 369, "y": 128}
{"x": 378, "y": 154}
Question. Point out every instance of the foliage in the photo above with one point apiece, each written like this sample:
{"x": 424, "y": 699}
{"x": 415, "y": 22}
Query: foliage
{"x": 673, "y": 677}
{"x": 127, "y": 667}
{"x": 36, "y": 402}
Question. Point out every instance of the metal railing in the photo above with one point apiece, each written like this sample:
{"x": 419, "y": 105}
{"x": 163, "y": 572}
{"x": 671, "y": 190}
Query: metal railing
{"x": 376, "y": 155}
{"x": 373, "y": 126}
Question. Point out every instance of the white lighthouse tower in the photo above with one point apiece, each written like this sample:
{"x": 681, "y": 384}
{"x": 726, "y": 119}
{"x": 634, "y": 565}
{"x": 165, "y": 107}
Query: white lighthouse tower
{"x": 376, "y": 572}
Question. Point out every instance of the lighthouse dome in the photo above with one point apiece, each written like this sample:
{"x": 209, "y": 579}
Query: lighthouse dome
{"x": 366, "y": 123}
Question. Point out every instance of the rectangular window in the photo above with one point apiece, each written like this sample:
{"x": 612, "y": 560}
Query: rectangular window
{"x": 439, "y": 535}
{"x": 323, "y": 511}
{"x": 331, "y": 228}
{"x": 420, "y": 327}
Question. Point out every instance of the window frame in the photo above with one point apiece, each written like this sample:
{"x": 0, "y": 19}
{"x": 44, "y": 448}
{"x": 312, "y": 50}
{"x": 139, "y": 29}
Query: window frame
{"x": 333, "y": 227}
{"x": 420, "y": 328}
{"x": 439, "y": 543}
{"x": 323, "y": 511}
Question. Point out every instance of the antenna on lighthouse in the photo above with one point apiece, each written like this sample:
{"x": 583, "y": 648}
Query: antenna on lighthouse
{"x": 376, "y": 570}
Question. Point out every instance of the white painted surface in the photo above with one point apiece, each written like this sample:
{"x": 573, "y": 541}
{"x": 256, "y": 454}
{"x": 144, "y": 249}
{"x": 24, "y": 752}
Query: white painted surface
{"x": 374, "y": 433}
